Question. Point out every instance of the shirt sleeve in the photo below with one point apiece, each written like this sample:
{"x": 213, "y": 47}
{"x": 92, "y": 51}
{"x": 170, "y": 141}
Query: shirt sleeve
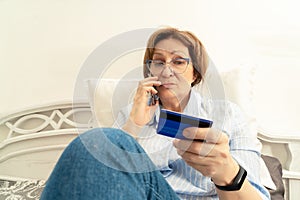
{"x": 245, "y": 147}
{"x": 122, "y": 117}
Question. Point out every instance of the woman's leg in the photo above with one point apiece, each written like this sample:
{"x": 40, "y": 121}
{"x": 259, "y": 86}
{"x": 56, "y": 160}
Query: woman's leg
{"x": 106, "y": 164}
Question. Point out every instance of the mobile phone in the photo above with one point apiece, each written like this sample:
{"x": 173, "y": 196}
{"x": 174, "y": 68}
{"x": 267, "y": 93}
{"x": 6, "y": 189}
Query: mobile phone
{"x": 172, "y": 123}
{"x": 153, "y": 98}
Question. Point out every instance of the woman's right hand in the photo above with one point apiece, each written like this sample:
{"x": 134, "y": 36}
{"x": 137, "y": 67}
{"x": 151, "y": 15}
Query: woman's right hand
{"x": 142, "y": 112}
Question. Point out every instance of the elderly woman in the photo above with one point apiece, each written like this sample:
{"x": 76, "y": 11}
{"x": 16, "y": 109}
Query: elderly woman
{"x": 132, "y": 161}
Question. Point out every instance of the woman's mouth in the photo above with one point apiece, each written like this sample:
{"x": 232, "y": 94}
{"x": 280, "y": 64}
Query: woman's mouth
{"x": 168, "y": 85}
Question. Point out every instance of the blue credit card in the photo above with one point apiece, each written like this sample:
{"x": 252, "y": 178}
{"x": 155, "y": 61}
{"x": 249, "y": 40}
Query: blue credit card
{"x": 172, "y": 123}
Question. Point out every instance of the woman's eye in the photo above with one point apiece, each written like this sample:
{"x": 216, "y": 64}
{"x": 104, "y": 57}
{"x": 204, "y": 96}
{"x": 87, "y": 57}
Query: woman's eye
{"x": 179, "y": 62}
{"x": 158, "y": 62}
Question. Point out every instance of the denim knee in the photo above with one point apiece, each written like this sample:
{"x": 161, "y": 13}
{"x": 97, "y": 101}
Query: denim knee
{"x": 116, "y": 149}
{"x": 112, "y": 136}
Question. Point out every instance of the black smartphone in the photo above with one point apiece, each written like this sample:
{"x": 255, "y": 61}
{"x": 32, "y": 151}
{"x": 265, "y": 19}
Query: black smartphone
{"x": 153, "y": 98}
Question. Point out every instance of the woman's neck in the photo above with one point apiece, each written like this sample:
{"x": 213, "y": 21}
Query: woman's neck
{"x": 175, "y": 104}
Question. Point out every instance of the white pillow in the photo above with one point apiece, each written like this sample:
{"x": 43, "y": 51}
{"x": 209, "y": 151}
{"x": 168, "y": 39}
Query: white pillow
{"x": 108, "y": 96}
{"x": 235, "y": 85}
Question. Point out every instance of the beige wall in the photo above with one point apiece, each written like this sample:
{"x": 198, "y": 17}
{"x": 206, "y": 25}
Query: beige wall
{"x": 44, "y": 43}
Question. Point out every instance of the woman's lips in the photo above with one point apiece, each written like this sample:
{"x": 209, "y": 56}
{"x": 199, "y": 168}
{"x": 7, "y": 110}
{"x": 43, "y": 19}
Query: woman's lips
{"x": 168, "y": 85}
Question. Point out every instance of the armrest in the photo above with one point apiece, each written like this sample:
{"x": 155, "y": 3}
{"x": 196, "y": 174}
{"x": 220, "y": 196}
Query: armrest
{"x": 284, "y": 147}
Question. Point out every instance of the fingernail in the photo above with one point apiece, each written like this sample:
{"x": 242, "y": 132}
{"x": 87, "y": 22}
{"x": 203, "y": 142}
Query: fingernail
{"x": 187, "y": 133}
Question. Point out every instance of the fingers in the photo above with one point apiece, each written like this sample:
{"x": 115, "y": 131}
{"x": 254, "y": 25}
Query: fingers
{"x": 197, "y": 159}
{"x": 193, "y": 158}
{"x": 210, "y": 135}
{"x": 150, "y": 81}
{"x": 215, "y": 142}
{"x": 141, "y": 112}
{"x": 194, "y": 147}
{"x": 214, "y": 165}
{"x": 146, "y": 86}
{"x": 205, "y": 164}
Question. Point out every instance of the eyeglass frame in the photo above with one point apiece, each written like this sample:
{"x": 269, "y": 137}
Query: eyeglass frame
{"x": 148, "y": 62}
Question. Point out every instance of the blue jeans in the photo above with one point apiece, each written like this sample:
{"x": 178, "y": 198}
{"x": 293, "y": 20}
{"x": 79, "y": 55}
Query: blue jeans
{"x": 106, "y": 163}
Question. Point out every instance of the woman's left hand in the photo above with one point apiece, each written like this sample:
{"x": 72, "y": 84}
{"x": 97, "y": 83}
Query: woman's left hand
{"x": 211, "y": 157}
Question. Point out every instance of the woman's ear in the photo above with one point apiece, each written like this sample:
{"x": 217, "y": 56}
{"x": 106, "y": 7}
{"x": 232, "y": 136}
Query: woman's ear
{"x": 194, "y": 77}
{"x": 194, "y": 74}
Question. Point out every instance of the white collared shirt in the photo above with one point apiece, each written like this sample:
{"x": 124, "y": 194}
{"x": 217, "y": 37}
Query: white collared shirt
{"x": 187, "y": 182}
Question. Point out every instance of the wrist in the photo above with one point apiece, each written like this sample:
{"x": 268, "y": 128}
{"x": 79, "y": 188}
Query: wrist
{"x": 228, "y": 175}
{"x": 132, "y": 128}
{"x": 237, "y": 181}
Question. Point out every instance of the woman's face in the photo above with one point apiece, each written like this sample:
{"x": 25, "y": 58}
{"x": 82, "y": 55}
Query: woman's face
{"x": 174, "y": 86}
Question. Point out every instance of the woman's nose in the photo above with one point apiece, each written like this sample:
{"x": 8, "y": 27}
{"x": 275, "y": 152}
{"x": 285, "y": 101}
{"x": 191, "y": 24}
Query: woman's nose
{"x": 167, "y": 71}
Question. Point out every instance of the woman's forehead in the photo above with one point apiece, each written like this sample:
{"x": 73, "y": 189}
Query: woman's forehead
{"x": 171, "y": 46}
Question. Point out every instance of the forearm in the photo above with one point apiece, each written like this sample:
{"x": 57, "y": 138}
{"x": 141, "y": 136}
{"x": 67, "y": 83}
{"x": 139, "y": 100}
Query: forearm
{"x": 131, "y": 128}
{"x": 246, "y": 192}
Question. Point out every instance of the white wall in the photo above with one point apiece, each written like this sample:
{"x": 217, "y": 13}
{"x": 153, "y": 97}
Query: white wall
{"x": 44, "y": 43}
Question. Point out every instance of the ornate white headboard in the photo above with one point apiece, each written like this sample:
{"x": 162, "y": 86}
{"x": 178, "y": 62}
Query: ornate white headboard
{"x": 287, "y": 150}
{"x": 33, "y": 139}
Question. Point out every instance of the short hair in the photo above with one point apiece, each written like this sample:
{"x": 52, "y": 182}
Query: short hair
{"x": 196, "y": 50}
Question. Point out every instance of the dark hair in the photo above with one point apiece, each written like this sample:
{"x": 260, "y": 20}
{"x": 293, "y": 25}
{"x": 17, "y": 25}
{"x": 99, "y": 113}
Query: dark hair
{"x": 196, "y": 49}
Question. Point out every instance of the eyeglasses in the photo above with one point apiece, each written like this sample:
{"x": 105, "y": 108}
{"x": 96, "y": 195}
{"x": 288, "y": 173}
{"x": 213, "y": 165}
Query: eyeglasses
{"x": 177, "y": 65}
